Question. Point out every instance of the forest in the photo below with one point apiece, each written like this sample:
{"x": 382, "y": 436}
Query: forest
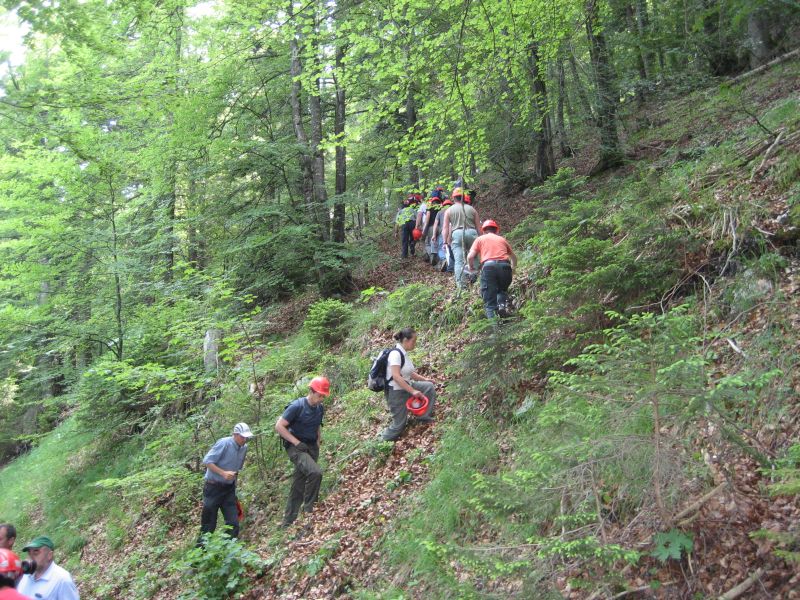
{"x": 198, "y": 207}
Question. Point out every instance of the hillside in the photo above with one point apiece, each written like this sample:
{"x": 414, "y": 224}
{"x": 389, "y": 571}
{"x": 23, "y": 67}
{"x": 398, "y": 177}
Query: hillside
{"x": 631, "y": 433}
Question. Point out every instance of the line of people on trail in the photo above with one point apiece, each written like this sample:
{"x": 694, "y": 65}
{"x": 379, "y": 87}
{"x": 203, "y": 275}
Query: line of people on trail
{"x": 405, "y": 391}
{"x": 450, "y": 231}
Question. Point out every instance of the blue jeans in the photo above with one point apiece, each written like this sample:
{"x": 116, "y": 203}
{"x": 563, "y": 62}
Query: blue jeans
{"x": 462, "y": 242}
{"x": 495, "y": 279}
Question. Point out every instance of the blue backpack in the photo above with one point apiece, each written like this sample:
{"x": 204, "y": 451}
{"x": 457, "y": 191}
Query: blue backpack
{"x": 377, "y": 380}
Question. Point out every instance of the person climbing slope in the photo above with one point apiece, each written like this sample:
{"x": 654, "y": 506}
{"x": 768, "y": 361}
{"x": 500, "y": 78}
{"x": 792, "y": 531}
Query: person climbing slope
{"x": 461, "y": 228}
{"x": 404, "y": 381}
{"x": 497, "y": 264}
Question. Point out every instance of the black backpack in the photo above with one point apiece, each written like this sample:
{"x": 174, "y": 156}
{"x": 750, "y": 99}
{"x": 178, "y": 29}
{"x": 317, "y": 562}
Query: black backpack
{"x": 377, "y": 380}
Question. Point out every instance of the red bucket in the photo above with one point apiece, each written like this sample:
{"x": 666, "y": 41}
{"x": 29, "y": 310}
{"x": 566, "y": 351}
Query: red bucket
{"x": 417, "y": 406}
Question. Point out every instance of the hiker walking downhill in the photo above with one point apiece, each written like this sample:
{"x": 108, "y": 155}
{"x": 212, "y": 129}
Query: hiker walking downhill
{"x": 404, "y": 381}
{"x": 300, "y": 427}
{"x": 497, "y": 263}
{"x": 461, "y": 228}
{"x": 223, "y": 462}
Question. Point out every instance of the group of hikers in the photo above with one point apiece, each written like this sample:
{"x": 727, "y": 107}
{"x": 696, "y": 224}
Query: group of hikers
{"x": 453, "y": 238}
{"x": 300, "y": 431}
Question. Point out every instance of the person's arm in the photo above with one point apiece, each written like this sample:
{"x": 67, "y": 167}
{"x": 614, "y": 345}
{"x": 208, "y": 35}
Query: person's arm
{"x": 420, "y": 218}
{"x": 435, "y": 228}
{"x": 512, "y": 257}
{"x": 473, "y": 252}
{"x": 477, "y": 222}
{"x": 446, "y": 228}
{"x": 417, "y": 377}
{"x": 397, "y": 378}
{"x": 227, "y": 475}
{"x": 319, "y": 436}
{"x": 282, "y": 427}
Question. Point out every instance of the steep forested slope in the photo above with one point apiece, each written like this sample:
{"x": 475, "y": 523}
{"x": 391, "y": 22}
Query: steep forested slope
{"x": 197, "y": 203}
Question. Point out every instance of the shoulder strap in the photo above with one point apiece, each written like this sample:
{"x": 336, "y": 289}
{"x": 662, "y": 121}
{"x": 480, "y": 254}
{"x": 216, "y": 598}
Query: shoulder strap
{"x": 402, "y": 362}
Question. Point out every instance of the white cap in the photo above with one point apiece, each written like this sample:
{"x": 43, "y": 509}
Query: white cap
{"x": 243, "y": 430}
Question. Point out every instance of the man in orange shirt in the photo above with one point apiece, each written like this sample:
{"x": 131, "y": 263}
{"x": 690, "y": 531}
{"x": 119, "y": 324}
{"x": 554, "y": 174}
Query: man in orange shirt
{"x": 497, "y": 263}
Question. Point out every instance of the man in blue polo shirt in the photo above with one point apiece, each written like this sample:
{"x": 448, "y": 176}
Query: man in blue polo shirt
{"x": 300, "y": 427}
{"x": 223, "y": 463}
{"x": 49, "y": 581}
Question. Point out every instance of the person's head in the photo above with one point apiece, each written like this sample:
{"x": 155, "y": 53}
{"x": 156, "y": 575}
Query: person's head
{"x": 41, "y": 549}
{"x": 490, "y": 226}
{"x": 10, "y": 568}
{"x": 447, "y": 202}
{"x": 318, "y": 389}
{"x": 8, "y": 535}
{"x": 407, "y": 338}
{"x": 457, "y": 195}
{"x": 241, "y": 433}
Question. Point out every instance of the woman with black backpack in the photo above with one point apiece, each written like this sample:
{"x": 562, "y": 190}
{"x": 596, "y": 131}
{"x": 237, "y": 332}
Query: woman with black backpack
{"x": 402, "y": 382}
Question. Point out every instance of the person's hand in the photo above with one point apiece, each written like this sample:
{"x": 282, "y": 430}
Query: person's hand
{"x": 301, "y": 447}
{"x": 418, "y": 394}
{"x": 229, "y": 475}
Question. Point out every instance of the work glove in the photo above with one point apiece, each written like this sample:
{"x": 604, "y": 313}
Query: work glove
{"x": 301, "y": 447}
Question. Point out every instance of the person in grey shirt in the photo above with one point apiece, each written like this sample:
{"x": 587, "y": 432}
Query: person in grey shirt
{"x": 223, "y": 463}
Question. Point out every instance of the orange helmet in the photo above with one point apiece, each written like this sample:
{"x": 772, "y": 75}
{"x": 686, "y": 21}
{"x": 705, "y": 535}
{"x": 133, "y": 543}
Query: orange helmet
{"x": 417, "y": 406}
{"x": 447, "y": 202}
{"x": 416, "y": 234}
{"x": 457, "y": 192}
{"x": 10, "y": 564}
{"x": 491, "y": 223}
{"x": 321, "y": 385}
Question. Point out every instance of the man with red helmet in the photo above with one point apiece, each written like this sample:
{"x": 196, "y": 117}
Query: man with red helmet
{"x": 10, "y": 572}
{"x": 300, "y": 427}
{"x": 497, "y": 263}
{"x": 223, "y": 463}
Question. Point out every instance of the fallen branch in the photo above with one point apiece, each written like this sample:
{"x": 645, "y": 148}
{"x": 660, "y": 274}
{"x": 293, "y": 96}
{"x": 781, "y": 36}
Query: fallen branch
{"x": 767, "y": 154}
{"x": 699, "y": 502}
{"x": 644, "y": 588}
{"x": 740, "y": 589}
{"x": 769, "y": 65}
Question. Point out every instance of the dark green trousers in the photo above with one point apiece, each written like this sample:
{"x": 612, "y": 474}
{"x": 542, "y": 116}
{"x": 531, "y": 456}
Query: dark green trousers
{"x": 305, "y": 482}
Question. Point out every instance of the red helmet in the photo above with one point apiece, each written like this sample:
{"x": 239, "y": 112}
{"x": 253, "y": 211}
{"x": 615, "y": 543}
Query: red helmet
{"x": 467, "y": 199}
{"x": 321, "y": 385}
{"x": 417, "y": 406}
{"x": 447, "y": 202}
{"x": 491, "y": 223}
{"x": 10, "y": 564}
{"x": 457, "y": 192}
{"x": 416, "y": 234}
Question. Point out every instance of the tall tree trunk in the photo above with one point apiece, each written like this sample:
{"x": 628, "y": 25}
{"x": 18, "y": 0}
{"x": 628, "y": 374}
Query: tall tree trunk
{"x": 607, "y": 98}
{"x": 632, "y": 25}
{"x": 545, "y": 165}
{"x": 171, "y": 196}
{"x": 341, "y": 151}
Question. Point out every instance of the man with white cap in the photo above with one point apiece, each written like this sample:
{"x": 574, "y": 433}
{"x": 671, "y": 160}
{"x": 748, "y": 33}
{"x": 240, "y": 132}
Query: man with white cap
{"x": 223, "y": 463}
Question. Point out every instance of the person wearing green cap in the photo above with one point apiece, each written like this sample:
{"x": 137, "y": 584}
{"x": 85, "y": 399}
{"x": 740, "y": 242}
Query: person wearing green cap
{"x": 48, "y": 581}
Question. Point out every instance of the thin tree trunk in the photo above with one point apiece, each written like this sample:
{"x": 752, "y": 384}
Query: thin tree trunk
{"x": 543, "y": 136}
{"x": 607, "y": 99}
{"x": 583, "y": 98}
{"x": 305, "y": 160}
{"x": 341, "y": 151}
{"x": 561, "y": 131}
{"x": 411, "y": 123}
{"x": 321, "y": 211}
